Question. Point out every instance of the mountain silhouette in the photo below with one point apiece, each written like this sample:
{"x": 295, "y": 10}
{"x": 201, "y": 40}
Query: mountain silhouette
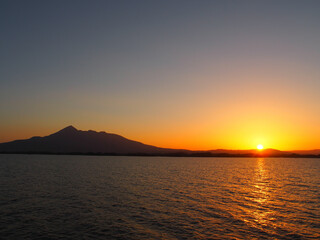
{"x": 255, "y": 152}
{"x": 71, "y": 140}
{"x": 310, "y": 152}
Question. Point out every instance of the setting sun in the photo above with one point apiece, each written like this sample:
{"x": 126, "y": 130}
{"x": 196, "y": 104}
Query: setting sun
{"x": 260, "y": 147}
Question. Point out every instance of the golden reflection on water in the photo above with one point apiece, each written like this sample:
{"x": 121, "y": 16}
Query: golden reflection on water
{"x": 260, "y": 185}
{"x": 261, "y": 193}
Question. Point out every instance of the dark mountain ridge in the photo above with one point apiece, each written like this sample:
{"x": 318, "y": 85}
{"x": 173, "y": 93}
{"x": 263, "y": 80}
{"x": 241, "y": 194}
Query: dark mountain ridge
{"x": 73, "y": 141}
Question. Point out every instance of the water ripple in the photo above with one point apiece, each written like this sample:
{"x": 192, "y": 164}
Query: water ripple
{"x": 78, "y": 197}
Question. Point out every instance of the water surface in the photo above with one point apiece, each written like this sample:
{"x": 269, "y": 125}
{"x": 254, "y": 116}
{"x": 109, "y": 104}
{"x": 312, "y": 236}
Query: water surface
{"x": 94, "y": 197}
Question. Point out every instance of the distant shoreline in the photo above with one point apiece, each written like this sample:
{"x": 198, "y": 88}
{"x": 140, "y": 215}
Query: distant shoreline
{"x": 71, "y": 141}
{"x": 202, "y": 155}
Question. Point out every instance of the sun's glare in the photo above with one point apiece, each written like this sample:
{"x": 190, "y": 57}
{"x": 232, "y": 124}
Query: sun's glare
{"x": 260, "y": 147}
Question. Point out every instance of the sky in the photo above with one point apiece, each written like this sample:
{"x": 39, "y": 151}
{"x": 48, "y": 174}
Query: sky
{"x": 181, "y": 74}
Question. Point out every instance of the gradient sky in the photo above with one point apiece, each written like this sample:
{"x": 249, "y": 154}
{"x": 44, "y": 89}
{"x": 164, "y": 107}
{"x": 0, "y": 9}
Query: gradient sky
{"x": 183, "y": 74}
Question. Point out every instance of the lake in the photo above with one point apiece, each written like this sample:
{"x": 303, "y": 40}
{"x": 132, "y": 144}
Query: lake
{"x": 106, "y": 197}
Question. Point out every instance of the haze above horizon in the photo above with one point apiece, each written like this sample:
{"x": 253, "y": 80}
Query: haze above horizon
{"x": 176, "y": 74}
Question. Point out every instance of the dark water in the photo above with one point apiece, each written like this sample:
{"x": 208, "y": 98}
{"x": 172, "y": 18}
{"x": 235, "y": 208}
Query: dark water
{"x": 86, "y": 197}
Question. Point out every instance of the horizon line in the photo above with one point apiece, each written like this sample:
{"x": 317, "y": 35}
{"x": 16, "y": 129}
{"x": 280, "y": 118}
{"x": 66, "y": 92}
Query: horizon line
{"x": 71, "y": 126}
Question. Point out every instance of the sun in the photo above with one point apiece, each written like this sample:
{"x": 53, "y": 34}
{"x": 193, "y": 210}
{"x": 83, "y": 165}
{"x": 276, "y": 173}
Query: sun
{"x": 260, "y": 147}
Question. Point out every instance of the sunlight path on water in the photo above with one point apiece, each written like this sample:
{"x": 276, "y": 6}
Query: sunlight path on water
{"x": 158, "y": 198}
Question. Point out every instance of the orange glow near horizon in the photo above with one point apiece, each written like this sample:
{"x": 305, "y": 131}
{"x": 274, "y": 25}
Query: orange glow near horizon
{"x": 279, "y": 122}
{"x": 197, "y": 138}
{"x": 182, "y": 78}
